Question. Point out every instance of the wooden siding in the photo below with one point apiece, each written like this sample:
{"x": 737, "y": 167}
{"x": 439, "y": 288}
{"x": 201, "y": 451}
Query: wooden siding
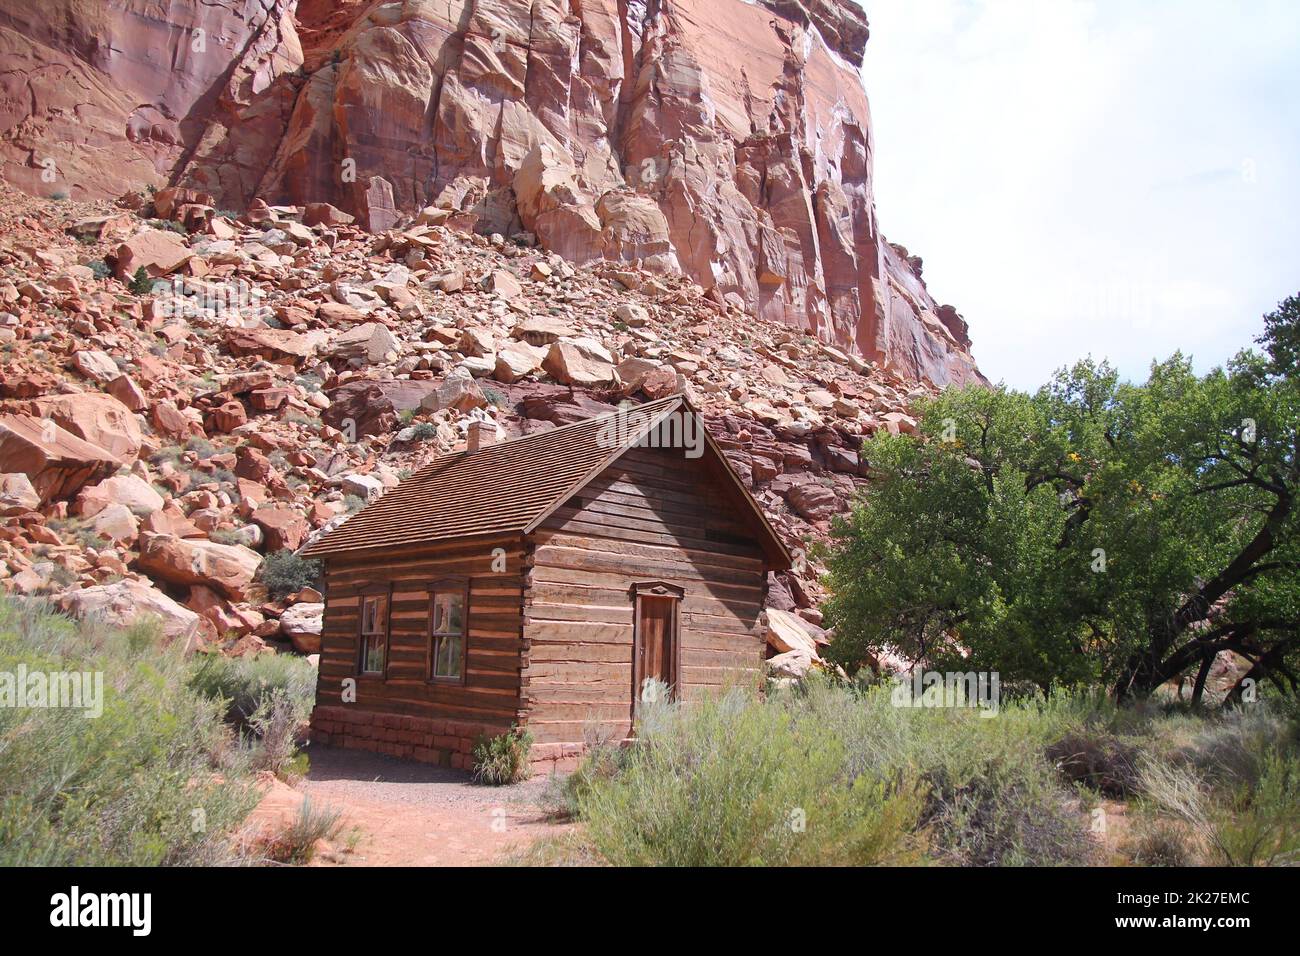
{"x": 653, "y": 515}
{"x": 490, "y": 694}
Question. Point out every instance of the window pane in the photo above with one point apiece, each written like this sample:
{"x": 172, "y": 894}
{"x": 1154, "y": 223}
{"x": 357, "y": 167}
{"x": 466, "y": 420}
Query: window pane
{"x": 448, "y": 612}
{"x": 372, "y": 660}
{"x": 373, "y": 613}
{"x": 448, "y": 659}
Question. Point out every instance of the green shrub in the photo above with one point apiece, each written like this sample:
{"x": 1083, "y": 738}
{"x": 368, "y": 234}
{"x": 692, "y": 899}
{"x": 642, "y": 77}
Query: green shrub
{"x": 991, "y": 797}
{"x": 152, "y": 781}
{"x": 296, "y": 844}
{"x": 140, "y": 283}
{"x": 247, "y": 685}
{"x": 732, "y": 781}
{"x": 275, "y": 725}
{"x": 284, "y": 572}
{"x": 267, "y": 698}
{"x": 1158, "y": 841}
{"x": 828, "y": 773}
{"x": 201, "y": 447}
{"x": 1260, "y": 826}
{"x": 502, "y": 759}
{"x": 563, "y": 795}
{"x": 1233, "y": 749}
{"x": 100, "y": 268}
{"x": 1251, "y": 825}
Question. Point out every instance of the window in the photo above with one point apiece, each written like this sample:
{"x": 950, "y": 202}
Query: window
{"x": 447, "y": 602}
{"x": 374, "y": 633}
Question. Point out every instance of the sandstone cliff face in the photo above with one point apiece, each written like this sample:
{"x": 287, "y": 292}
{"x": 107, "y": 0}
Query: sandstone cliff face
{"x": 727, "y": 140}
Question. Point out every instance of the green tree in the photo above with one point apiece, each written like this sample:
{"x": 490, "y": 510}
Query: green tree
{"x": 1096, "y": 530}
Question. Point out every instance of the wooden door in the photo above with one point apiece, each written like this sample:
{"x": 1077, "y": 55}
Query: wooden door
{"x": 656, "y": 643}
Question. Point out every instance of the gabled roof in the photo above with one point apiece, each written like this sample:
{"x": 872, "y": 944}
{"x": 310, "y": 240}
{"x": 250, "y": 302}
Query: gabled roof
{"x": 513, "y": 486}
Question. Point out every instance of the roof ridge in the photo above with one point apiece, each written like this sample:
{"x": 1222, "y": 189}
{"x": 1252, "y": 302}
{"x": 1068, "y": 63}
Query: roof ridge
{"x": 513, "y": 490}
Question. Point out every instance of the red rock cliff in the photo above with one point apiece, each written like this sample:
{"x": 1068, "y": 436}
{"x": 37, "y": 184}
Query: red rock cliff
{"x": 726, "y": 139}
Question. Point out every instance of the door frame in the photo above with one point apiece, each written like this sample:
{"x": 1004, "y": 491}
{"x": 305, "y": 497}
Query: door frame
{"x": 661, "y": 590}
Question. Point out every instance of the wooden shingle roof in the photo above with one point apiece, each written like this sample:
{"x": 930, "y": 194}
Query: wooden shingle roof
{"x": 512, "y": 486}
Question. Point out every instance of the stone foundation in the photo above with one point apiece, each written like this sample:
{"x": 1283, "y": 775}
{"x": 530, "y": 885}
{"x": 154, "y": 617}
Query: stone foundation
{"x": 447, "y": 743}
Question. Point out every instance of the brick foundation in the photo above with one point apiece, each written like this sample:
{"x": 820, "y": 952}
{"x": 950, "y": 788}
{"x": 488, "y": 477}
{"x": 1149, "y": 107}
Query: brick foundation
{"x": 448, "y": 743}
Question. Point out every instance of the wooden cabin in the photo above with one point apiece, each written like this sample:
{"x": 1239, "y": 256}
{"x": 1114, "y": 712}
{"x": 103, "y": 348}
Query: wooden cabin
{"x": 541, "y": 582}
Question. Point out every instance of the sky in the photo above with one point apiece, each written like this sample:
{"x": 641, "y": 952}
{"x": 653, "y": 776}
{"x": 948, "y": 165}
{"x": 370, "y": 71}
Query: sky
{"x": 1114, "y": 178}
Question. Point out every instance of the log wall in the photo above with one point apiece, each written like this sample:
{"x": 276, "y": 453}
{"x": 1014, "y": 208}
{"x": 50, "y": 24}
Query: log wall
{"x": 654, "y": 515}
{"x": 401, "y": 712}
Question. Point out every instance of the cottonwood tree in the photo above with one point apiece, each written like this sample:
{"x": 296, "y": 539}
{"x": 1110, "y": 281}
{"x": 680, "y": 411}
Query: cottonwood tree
{"x": 1093, "y": 531}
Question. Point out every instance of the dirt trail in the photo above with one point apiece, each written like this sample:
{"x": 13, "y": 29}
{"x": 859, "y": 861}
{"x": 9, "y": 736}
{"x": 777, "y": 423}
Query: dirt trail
{"x": 417, "y": 815}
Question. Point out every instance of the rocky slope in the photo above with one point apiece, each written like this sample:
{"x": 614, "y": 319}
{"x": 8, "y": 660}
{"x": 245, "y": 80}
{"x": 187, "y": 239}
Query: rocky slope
{"x": 156, "y": 443}
{"x": 722, "y": 140}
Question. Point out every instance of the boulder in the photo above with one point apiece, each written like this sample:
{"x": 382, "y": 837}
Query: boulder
{"x": 158, "y": 251}
{"x": 516, "y": 360}
{"x": 168, "y": 200}
{"x": 128, "y": 490}
{"x": 369, "y": 343}
{"x": 632, "y": 315}
{"x": 897, "y": 423}
{"x": 96, "y": 417}
{"x": 276, "y": 345}
{"x": 378, "y": 211}
{"x": 57, "y": 462}
{"x": 542, "y": 330}
{"x": 226, "y": 417}
{"x": 126, "y": 391}
{"x": 175, "y": 423}
{"x": 660, "y": 383}
{"x": 17, "y": 495}
{"x": 361, "y": 408}
{"x": 457, "y": 391}
{"x": 116, "y": 523}
{"x": 787, "y": 632}
{"x": 814, "y": 501}
{"x": 302, "y": 624}
{"x": 228, "y": 569}
{"x": 502, "y": 283}
{"x": 95, "y": 365}
{"x": 282, "y": 527}
{"x": 632, "y": 372}
{"x": 129, "y": 602}
{"x": 792, "y": 665}
{"x": 323, "y": 214}
{"x": 365, "y": 487}
{"x": 581, "y": 362}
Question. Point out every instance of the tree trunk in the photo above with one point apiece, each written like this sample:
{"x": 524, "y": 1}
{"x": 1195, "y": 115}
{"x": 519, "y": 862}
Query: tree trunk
{"x": 1199, "y": 687}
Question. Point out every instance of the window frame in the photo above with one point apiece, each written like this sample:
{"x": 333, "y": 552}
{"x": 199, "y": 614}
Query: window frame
{"x": 455, "y": 584}
{"x": 372, "y": 592}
